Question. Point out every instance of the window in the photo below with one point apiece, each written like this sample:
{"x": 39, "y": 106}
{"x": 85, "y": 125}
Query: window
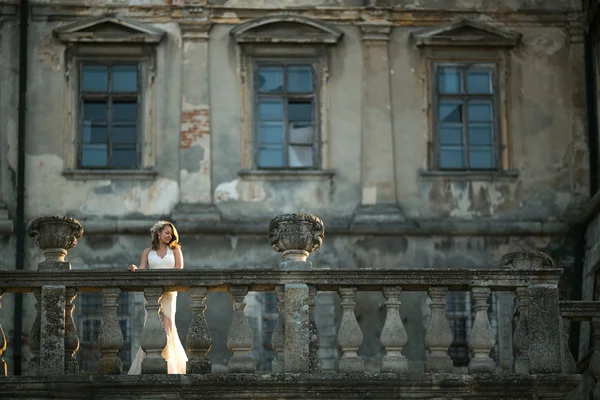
{"x": 109, "y": 125}
{"x": 465, "y": 116}
{"x": 286, "y": 128}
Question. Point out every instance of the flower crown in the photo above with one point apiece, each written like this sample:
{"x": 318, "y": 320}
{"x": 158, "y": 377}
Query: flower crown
{"x": 158, "y": 226}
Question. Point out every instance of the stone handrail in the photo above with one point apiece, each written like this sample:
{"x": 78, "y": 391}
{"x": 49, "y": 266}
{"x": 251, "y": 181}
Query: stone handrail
{"x": 530, "y": 275}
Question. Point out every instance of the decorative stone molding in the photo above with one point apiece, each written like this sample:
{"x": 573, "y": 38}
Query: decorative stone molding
{"x": 527, "y": 260}
{"x": 466, "y": 33}
{"x": 298, "y": 30}
{"x": 195, "y": 30}
{"x": 109, "y": 29}
{"x": 55, "y": 235}
{"x": 376, "y": 31}
{"x": 198, "y": 340}
{"x": 296, "y": 235}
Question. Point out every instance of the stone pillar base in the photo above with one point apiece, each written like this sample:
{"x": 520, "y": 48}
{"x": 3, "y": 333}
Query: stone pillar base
{"x": 482, "y": 366}
{"x": 54, "y": 266}
{"x": 351, "y": 364}
{"x": 241, "y": 364}
{"x": 522, "y": 366}
{"x": 110, "y": 366}
{"x": 152, "y": 365}
{"x": 438, "y": 364}
{"x": 394, "y": 364}
{"x": 198, "y": 366}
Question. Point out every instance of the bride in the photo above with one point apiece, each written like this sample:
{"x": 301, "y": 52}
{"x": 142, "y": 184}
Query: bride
{"x": 164, "y": 253}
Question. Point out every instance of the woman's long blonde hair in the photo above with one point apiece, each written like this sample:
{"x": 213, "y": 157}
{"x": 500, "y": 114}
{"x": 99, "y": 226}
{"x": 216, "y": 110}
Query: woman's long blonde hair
{"x": 157, "y": 228}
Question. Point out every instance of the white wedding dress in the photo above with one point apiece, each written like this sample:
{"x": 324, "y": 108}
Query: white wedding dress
{"x": 174, "y": 352}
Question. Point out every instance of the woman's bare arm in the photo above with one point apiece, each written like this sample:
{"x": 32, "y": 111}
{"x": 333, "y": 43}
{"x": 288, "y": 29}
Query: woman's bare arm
{"x": 178, "y": 258}
{"x": 143, "y": 261}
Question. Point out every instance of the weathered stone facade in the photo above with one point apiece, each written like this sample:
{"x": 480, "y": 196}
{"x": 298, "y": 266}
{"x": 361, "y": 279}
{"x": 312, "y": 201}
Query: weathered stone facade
{"x": 375, "y": 180}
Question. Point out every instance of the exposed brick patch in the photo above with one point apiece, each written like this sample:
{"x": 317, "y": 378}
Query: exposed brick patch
{"x": 195, "y": 122}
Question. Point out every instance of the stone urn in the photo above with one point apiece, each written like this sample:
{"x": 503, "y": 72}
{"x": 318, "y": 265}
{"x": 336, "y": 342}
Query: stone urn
{"x": 55, "y": 235}
{"x": 527, "y": 260}
{"x": 296, "y": 235}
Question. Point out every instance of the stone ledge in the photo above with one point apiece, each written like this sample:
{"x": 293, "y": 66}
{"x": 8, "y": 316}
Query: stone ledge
{"x": 109, "y": 174}
{"x": 371, "y": 279}
{"x": 337, "y": 226}
{"x": 470, "y": 175}
{"x": 306, "y": 386}
{"x": 288, "y": 174}
{"x": 577, "y": 310}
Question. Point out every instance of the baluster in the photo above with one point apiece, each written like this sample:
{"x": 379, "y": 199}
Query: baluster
{"x": 111, "y": 337}
{"x": 278, "y": 338}
{"x": 595, "y": 360}
{"x": 482, "y": 338}
{"x": 240, "y": 337}
{"x": 313, "y": 331}
{"x": 198, "y": 339}
{"x": 34, "y": 336}
{"x": 393, "y": 335}
{"x": 569, "y": 365}
{"x": 154, "y": 337}
{"x": 3, "y": 369}
{"x": 439, "y": 335}
{"x": 71, "y": 337}
{"x": 521, "y": 335}
{"x": 350, "y": 336}
{"x": 52, "y": 342}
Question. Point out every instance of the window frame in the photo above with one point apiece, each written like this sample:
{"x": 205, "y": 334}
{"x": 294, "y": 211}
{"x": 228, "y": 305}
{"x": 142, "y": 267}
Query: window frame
{"x": 108, "y": 96}
{"x": 436, "y": 98}
{"x": 258, "y": 62}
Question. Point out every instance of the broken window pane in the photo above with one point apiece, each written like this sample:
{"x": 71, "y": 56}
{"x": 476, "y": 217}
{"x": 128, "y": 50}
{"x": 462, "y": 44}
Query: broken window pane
{"x": 479, "y": 81}
{"x": 481, "y": 158}
{"x": 449, "y": 80}
{"x": 270, "y": 157}
{"x": 270, "y": 110}
{"x": 301, "y": 133}
{"x": 94, "y": 155}
{"x": 451, "y": 157}
{"x": 300, "y": 79}
{"x": 451, "y": 111}
{"x": 270, "y": 133}
{"x": 299, "y": 111}
{"x": 300, "y": 156}
{"x": 124, "y": 78}
{"x": 270, "y": 79}
{"x": 95, "y": 78}
{"x": 480, "y": 134}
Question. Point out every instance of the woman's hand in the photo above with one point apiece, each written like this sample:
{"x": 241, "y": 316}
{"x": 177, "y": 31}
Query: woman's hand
{"x": 132, "y": 268}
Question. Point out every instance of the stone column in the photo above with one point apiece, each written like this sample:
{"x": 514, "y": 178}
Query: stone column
{"x": 111, "y": 337}
{"x": 393, "y": 335}
{"x": 198, "y": 339}
{"x": 521, "y": 336}
{"x": 543, "y": 314}
{"x": 439, "y": 335}
{"x": 154, "y": 338}
{"x": 3, "y": 369}
{"x": 34, "y": 336}
{"x": 481, "y": 338}
{"x": 350, "y": 335}
{"x": 240, "y": 338}
{"x": 379, "y": 198}
{"x": 52, "y": 342}
{"x": 278, "y": 337}
{"x": 71, "y": 337}
{"x": 315, "y": 365}
{"x": 297, "y": 332}
{"x": 195, "y": 187}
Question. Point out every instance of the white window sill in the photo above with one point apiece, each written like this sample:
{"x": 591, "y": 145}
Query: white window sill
{"x": 100, "y": 174}
{"x": 286, "y": 174}
{"x": 470, "y": 174}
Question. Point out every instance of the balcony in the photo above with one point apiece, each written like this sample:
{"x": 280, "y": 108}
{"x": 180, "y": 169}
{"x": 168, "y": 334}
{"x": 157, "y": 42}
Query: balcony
{"x": 543, "y": 365}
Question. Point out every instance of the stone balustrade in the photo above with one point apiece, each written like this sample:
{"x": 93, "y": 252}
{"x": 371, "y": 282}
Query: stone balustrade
{"x": 539, "y": 368}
